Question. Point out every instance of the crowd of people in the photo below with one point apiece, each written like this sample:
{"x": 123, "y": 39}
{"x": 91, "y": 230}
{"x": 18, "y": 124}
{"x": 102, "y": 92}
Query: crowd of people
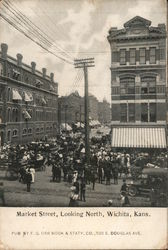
{"x": 66, "y": 155}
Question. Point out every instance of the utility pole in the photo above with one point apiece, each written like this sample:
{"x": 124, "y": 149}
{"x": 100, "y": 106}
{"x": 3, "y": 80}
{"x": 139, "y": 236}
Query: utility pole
{"x": 84, "y": 64}
{"x": 65, "y": 107}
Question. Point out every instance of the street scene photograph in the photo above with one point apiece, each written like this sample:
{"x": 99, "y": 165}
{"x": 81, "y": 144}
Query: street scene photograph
{"x": 83, "y": 103}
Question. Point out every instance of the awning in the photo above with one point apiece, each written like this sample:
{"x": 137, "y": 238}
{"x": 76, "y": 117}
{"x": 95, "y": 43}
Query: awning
{"x": 15, "y": 95}
{"x": 15, "y": 72}
{"x": 43, "y": 101}
{"x": 139, "y": 137}
{"x": 26, "y": 115}
{"x": 28, "y": 97}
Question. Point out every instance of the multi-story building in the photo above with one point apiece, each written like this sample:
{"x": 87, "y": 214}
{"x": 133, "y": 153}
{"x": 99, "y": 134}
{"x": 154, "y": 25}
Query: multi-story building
{"x": 93, "y": 107}
{"x": 71, "y": 108}
{"x": 138, "y": 84}
{"x": 28, "y": 101}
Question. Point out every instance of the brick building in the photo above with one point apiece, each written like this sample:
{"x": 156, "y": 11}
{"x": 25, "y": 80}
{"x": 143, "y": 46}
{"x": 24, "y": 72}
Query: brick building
{"x": 138, "y": 84}
{"x": 71, "y": 108}
{"x": 28, "y": 101}
{"x": 93, "y": 107}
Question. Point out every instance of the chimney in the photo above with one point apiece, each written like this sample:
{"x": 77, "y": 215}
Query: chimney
{"x": 4, "y": 49}
{"x": 52, "y": 77}
{"x": 33, "y": 64}
{"x": 19, "y": 59}
{"x": 44, "y": 70}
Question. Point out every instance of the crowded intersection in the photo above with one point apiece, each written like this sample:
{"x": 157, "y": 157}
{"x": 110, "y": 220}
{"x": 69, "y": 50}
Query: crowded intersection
{"x": 54, "y": 172}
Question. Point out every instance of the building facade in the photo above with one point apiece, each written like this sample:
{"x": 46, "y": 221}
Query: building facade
{"x": 28, "y": 101}
{"x": 138, "y": 84}
{"x": 71, "y": 108}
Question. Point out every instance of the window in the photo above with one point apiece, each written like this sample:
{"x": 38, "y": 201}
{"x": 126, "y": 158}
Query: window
{"x": 152, "y": 54}
{"x": 142, "y": 56}
{"x": 1, "y": 69}
{"x": 1, "y": 94}
{"x": 152, "y": 112}
{"x": 29, "y": 131}
{"x": 123, "y": 112}
{"x": 148, "y": 85}
{"x": 144, "y": 112}
{"x": 8, "y": 94}
{"x": 9, "y": 136}
{"x": 122, "y": 56}
{"x": 127, "y": 86}
{"x": 15, "y": 133}
{"x": 162, "y": 54}
{"x": 24, "y": 131}
{"x": 9, "y": 115}
{"x": 131, "y": 112}
{"x": 132, "y": 56}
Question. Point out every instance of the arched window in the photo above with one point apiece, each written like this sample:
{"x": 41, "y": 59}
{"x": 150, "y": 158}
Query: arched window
{"x": 16, "y": 115}
{"x": 8, "y": 94}
{"x": 24, "y": 131}
{"x": 1, "y": 69}
{"x": 29, "y": 131}
{"x": 13, "y": 115}
{"x": 9, "y": 136}
{"x": 148, "y": 85}
{"x": 9, "y": 115}
{"x": 15, "y": 133}
{"x": 1, "y": 94}
{"x": 127, "y": 85}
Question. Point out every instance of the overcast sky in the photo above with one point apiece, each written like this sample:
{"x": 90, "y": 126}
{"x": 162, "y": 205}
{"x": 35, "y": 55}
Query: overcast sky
{"x": 80, "y": 27}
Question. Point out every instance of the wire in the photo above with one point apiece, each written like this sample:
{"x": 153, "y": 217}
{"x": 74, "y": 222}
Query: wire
{"x": 28, "y": 36}
{"x": 33, "y": 27}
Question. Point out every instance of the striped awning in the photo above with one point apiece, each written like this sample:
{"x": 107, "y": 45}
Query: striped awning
{"x": 139, "y": 137}
{"x": 15, "y": 95}
{"x": 27, "y": 116}
{"x": 28, "y": 97}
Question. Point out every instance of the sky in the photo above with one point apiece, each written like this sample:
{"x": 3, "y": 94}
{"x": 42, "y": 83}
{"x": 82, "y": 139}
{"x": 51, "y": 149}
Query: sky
{"x": 76, "y": 29}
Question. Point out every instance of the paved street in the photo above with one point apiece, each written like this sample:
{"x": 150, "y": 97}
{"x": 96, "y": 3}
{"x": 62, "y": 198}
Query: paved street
{"x": 46, "y": 193}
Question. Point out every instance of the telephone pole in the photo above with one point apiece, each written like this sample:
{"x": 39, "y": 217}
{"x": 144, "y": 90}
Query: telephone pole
{"x": 84, "y": 64}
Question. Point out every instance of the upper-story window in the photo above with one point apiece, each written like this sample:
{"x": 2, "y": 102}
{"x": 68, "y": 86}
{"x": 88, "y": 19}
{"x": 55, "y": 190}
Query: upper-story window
{"x": 8, "y": 94}
{"x": 123, "y": 112}
{"x": 142, "y": 56}
{"x": 152, "y": 55}
{"x": 127, "y": 85}
{"x": 1, "y": 69}
{"x": 162, "y": 54}
{"x": 148, "y": 85}
{"x": 132, "y": 56}
{"x": 123, "y": 56}
{"x": 1, "y": 94}
{"x": 148, "y": 112}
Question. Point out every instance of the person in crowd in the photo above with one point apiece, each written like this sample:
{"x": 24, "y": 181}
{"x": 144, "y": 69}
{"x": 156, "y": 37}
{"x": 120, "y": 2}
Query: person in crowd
{"x": 28, "y": 179}
{"x": 54, "y": 171}
{"x": 2, "y": 197}
{"x": 124, "y": 194}
{"x": 32, "y": 171}
{"x": 73, "y": 197}
{"x": 82, "y": 189}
